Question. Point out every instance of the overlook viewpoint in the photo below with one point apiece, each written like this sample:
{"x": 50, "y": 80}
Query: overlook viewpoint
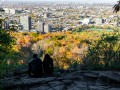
{"x": 59, "y": 45}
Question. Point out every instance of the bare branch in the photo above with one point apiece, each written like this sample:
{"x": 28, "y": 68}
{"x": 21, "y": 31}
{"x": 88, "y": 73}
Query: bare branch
{"x": 117, "y": 7}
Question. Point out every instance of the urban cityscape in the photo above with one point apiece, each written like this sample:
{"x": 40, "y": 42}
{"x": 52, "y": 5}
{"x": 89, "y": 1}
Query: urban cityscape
{"x": 44, "y": 17}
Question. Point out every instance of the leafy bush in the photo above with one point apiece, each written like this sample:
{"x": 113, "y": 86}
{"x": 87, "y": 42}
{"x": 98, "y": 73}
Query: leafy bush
{"x": 103, "y": 53}
{"x": 5, "y": 44}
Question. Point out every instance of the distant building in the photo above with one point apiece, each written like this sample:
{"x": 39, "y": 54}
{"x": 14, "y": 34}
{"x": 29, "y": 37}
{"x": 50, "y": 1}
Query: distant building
{"x": 86, "y": 21}
{"x": 47, "y": 28}
{"x": 2, "y": 10}
{"x": 43, "y": 27}
{"x": 60, "y": 13}
{"x": 103, "y": 21}
{"x": 6, "y": 25}
{"x": 7, "y": 10}
{"x": 11, "y": 11}
{"x": 46, "y": 15}
{"x": 99, "y": 21}
{"x": 40, "y": 26}
{"x": 25, "y": 21}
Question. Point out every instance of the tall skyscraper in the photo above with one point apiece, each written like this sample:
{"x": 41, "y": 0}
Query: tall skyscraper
{"x": 43, "y": 27}
{"x": 25, "y": 21}
{"x": 47, "y": 28}
{"x": 40, "y": 26}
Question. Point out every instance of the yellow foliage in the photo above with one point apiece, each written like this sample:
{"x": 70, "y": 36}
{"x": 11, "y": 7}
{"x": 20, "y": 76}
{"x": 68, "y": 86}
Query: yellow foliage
{"x": 62, "y": 50}
{"x": 66, "y": 48}
{"x": 66, "y": 66}
{"x": 69, "y": 55}
{"x": 16, "y": 48}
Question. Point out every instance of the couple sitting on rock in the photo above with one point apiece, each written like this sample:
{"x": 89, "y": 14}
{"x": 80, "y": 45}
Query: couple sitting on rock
{"x": 37, "y": 67}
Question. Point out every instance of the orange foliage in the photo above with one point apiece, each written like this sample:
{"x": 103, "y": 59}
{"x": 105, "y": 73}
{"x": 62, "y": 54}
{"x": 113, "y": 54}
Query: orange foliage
{"x": 66, "y": 48}
{"x": 62, "y": 50}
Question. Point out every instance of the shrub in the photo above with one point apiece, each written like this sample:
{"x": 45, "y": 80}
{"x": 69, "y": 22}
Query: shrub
{"x": 104, "y": 53}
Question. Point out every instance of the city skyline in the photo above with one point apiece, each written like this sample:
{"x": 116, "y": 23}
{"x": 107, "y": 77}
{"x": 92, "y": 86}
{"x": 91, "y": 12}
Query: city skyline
{"x": 85, "y": 1}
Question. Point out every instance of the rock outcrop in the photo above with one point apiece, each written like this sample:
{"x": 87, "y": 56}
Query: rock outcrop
{"x": 75, "y": 80}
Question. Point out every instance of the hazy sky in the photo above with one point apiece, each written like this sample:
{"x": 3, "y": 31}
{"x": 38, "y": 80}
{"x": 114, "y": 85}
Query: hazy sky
{"x": 88, "y": 1}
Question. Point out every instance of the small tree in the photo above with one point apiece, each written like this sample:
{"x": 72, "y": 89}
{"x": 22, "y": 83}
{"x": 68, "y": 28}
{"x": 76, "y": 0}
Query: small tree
{"x": 5, "y": 42}
{"x": 103, "y": 53}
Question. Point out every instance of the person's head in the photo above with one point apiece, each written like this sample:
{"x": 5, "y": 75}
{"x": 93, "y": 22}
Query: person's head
{"x": 47, "y": 56}
{"x": 35, "y": 56}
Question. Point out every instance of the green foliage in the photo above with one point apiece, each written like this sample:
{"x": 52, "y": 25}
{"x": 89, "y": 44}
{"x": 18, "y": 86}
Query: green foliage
{"x": 35, "y": 34}
{"x": 56, "y": 43}
{"x": 1, "y": 21}
{"x": 4, "y": 67}
{"x": 49, "y": 50}
{"x": 57, "y": 37}
{"x": 74, "y": 65}
{"x": 104, "y": 53}
{"x": 78, "y": 30}
{"x": 1, "y": 87}
{"x": 9, "y": 63}
{"x": 6, "y": 42}
{"x": 7, "y": 67}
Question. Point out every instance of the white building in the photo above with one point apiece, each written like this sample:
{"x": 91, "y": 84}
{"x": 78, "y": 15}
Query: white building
{"x": 86, "y": 21}
{"x": 40, "y": 26}
{"x": 46, "y": 15}
{"x": 7, "y": 10}
{"x": 25, "y": 21}
{"x": 47, "y": 28}
{"x": 98, "y": 21}
{"x": 11, "y": 11}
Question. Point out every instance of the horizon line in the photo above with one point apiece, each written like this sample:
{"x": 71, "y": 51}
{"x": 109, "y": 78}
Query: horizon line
{"x": 65, "y": 2}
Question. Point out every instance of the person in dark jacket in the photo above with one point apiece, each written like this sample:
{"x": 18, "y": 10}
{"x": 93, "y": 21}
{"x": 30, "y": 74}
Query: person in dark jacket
{"x": 35, "y": 67}
{"x": 48, "y": 64}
